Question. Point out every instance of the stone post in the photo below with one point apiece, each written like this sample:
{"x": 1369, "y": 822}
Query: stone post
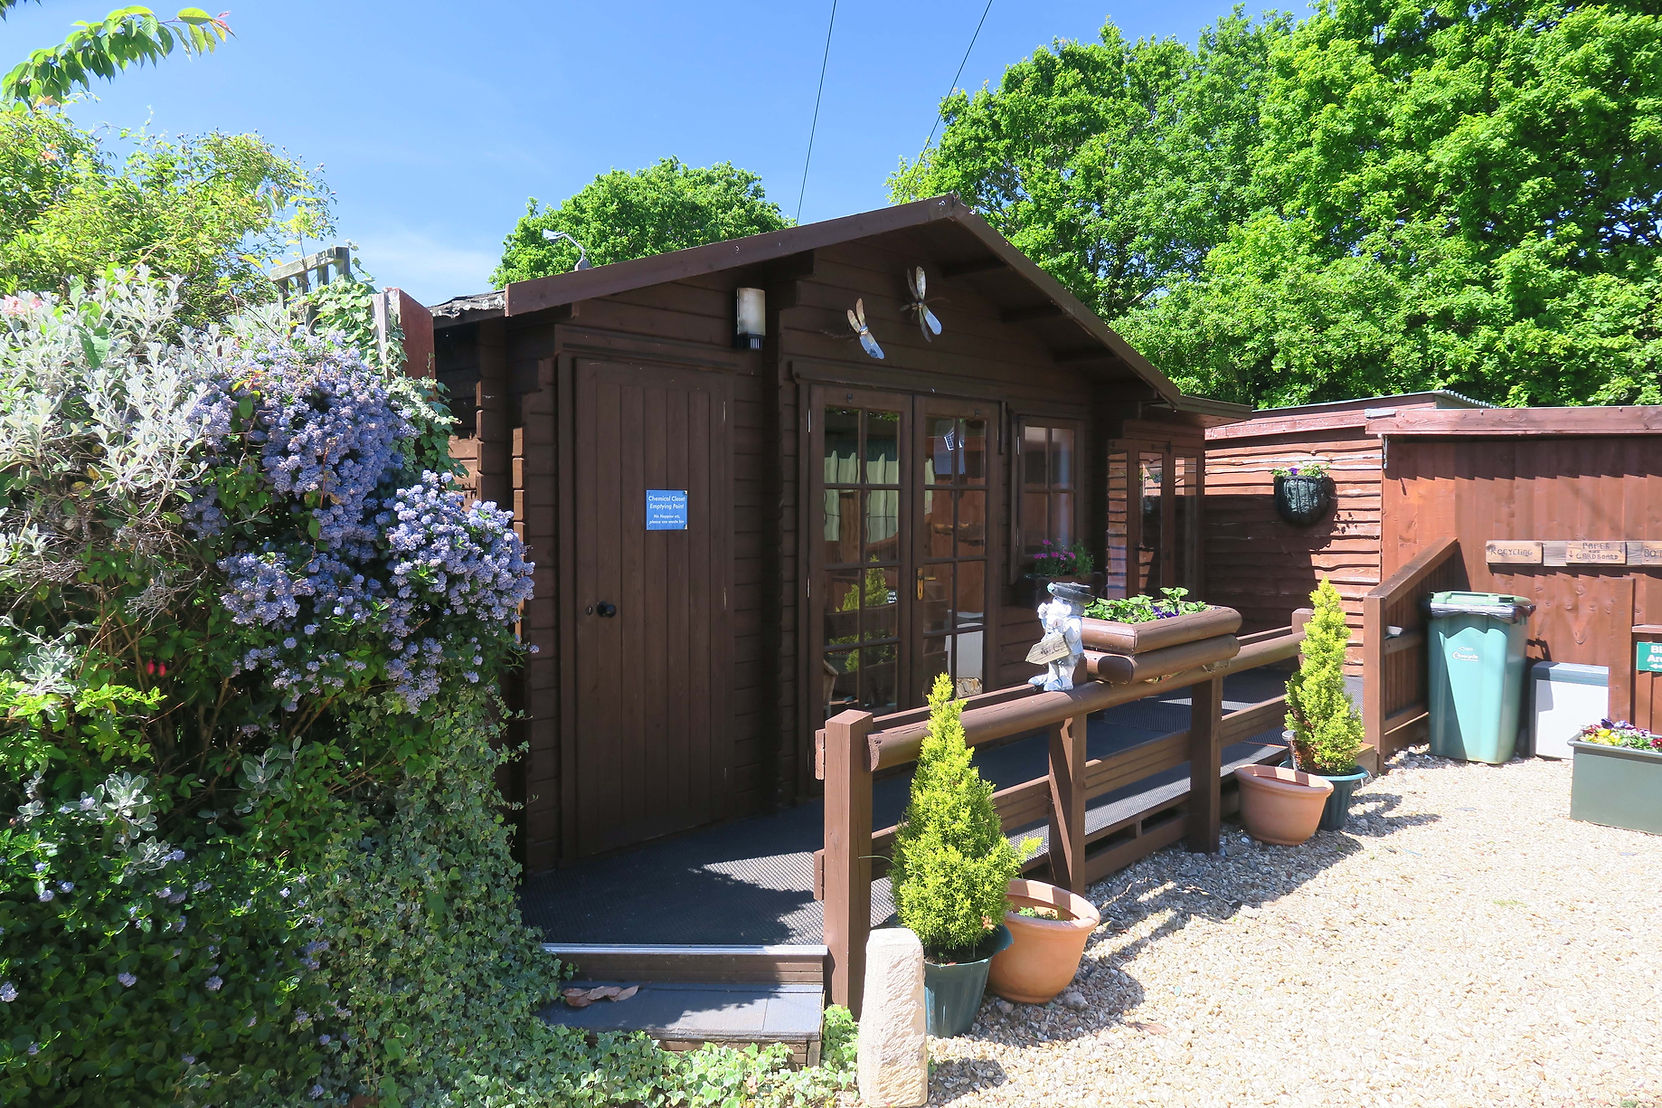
{"x": 894, "y": 1045}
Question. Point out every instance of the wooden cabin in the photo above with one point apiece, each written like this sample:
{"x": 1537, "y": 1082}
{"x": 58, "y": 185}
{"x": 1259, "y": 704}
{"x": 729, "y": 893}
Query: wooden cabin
{"x": 1264, "y": 566}
{"x": 744, "y": 521}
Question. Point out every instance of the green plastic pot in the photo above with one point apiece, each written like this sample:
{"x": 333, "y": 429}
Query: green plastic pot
{"x": 1336, "y": 813}
{"x": 952, "y": 992}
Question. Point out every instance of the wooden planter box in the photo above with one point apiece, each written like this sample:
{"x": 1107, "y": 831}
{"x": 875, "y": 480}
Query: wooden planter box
{"x": 1617, "y": 786}
{"x": 1123, "y": 653}
{"x": 1139, "y": 638}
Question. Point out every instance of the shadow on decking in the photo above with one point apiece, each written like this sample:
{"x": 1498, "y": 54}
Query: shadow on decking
{"x": 751, "y": 881}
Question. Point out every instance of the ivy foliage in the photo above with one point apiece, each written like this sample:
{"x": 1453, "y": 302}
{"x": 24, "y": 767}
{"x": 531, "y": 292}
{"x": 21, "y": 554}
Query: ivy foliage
{"x": 101, "y": 48}
{"x": 209, "y": 210}
{"x": 952, "y": 864}
{"x": 618, "y": 216}
{"x": 1385, "y": 197}
{"x": 1326, "y": 729}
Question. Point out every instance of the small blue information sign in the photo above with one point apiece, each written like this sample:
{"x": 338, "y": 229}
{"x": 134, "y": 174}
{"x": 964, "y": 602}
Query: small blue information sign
{"x": 666, "y": 509}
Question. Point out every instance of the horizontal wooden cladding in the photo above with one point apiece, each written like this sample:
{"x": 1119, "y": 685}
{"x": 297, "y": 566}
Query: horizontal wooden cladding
{"x": 1261, "y": 564}
{"x": 694, "y": 964}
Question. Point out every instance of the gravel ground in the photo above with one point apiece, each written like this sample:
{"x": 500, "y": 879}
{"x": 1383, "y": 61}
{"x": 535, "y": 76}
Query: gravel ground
{"x": 1462, "y": 943}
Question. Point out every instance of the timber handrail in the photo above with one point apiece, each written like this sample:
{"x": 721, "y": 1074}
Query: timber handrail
{"x": 1394, "y": 642}
{"x": 855, "y": 744}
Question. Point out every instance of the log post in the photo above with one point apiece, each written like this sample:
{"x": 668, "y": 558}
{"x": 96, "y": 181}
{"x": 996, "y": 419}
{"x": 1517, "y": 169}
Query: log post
{"x": 1067, "y": 804}
{"x": 1205, "y": 766}
{"x": 847, "y": 853}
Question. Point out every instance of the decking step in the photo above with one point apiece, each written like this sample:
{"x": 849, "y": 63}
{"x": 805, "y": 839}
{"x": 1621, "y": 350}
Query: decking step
{"x": 684, "y": 1015}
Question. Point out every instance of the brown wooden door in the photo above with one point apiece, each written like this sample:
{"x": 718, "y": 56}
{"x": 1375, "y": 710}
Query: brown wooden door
{"x": 899, "y": 558}
{"x": 648, "y": 751}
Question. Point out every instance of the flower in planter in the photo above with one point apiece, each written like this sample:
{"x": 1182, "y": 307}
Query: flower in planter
{"x": 1315, "y": 467}
{"x": 1620, "y": 733}
{"x": 1144, "y": 608}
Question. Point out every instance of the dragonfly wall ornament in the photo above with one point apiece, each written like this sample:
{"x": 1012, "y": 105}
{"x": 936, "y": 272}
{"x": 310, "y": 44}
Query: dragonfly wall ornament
{"x": 857, "y": 321}
{"x": 919, "y": 306}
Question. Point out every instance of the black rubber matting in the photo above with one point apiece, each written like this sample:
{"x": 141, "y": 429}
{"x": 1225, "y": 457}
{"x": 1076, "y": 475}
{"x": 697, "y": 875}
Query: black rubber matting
{"x": 751, "y": 881}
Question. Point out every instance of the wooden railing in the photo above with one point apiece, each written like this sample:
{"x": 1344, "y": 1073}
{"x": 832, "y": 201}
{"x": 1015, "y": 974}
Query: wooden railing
{"x": 856, "y": 745}
{"x": 1394, "y": 705}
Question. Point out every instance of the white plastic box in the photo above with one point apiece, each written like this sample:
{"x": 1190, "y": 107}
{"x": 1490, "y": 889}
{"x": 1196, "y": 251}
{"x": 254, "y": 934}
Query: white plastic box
{"x": 1564, "y": 697}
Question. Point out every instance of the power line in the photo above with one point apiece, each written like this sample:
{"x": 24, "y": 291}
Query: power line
{"x": 960, "y": 72}
{"x": 814, "y": 126}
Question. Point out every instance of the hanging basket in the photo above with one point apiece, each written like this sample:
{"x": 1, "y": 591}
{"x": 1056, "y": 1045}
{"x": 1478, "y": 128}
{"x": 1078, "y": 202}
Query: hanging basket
{"x": 1303, "y": 500}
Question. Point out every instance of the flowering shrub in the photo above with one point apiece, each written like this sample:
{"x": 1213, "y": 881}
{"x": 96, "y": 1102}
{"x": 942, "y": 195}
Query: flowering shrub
{"x": 234, "y": 569}
{"x": 1620, "y": 733}
{"x": 252, "y": 850}
{"x": 1056, "y": 560}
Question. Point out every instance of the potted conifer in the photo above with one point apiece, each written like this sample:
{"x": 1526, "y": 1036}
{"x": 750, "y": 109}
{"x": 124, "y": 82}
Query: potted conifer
{"x": 952, "y": 868}
{"x": 1326, "y": 729}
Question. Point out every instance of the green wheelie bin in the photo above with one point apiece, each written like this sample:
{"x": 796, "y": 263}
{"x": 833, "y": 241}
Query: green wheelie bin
{"x": 1476, "y": 655}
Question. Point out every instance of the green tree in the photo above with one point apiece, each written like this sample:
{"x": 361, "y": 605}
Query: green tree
{"x": 210, "y": 209}
{"x": 1452, "y": 196}
{"x": 618, "y": 216}
{"x": 1389, "y": 196}
{"x": 127, "y": 36}
{"x": 1115, "y": 165}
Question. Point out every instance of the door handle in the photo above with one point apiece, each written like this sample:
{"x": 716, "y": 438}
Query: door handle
{"x": 920, "y": 584}
{"x": 605, "y": 610}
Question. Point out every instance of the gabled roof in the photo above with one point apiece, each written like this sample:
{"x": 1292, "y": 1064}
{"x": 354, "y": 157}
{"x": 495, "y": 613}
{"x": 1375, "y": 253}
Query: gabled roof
{"x": 964, "y": 244}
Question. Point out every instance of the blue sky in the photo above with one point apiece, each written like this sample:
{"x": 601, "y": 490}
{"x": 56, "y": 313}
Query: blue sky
{"x": 434, "y": 122}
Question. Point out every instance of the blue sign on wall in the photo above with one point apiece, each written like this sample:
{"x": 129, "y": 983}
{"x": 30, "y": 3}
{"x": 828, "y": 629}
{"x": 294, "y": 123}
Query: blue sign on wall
{"x": 666, "y": 509}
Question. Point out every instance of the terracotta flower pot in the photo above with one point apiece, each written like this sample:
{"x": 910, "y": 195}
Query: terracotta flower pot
{"x": 1281, "y": 805}
{"x": 1044, "y": 954}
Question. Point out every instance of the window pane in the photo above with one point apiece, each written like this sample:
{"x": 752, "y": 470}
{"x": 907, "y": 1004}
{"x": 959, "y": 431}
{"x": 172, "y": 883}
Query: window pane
{"x": 1035, "y": 456}
{"x": 842, "y": 445}
{"x": 1061, "y": 458}
{"x": 937, "y": 597}
{"x": 1035, "y": 522}
{"x": 882, "y": 448}
{"x": 879, "y": 604}
{"x": 968, "y": 661}
{"x": 842, "y": 527}
{"x": 974, "y": 451}
{"x": 842, "y": 607}
{"x": 944, "y": 451}
{"x": 1187, "y": 539}
{"x": 841, "y": 676}
{"x": 1152, "y": 467}
{"x": 882, "y": 530}
{"x": 971, "y": 594}
{"x": 877, "y": 676}
{"x": 972, "y": 524}
{"x": 1061, "y": 518}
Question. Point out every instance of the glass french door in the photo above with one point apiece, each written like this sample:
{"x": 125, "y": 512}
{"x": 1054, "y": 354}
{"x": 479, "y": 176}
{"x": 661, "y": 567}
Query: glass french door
{"x": 899, "y": 557}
